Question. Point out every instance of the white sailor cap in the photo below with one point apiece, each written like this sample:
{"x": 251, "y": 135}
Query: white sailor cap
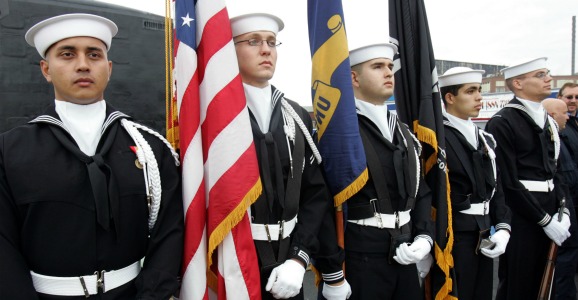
{"x": 525, "y": 67}
{"x": 369, "y": 52}
{"x": 256, "y": 22}
{"x": 460, "y": 75}
{"x": 45, "y": 33}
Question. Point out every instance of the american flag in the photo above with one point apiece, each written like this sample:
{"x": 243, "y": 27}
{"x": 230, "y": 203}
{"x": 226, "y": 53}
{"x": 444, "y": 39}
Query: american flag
{"x": 220, "y": 169}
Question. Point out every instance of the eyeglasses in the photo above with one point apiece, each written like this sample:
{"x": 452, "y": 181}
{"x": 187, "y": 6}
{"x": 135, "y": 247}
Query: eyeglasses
{"x": 570, "y": 97}
{"x": 542, "y": 75}
{"x": 256, "y": 42}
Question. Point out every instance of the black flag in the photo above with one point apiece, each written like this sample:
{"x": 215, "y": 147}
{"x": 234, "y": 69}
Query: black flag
{"x": 419, "y": 105}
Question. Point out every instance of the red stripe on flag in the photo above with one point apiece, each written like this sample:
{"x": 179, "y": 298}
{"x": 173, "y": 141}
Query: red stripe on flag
{"x": 189, "y": 117}
{"x": 230, "y": 187}
{"x": 215, "y": 30}
{"x": 247, "y": 262}
{"x": 222, "y": 111}
{"x": 195, "y": 224}
{"x": 222, "y": 294}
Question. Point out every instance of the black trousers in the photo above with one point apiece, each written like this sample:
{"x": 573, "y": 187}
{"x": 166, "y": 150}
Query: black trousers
{"x": 566, "y": 264}
{"x": 372, "y": 277}
{"x": 522, "y": 266}
{"x": 474, "y": 272}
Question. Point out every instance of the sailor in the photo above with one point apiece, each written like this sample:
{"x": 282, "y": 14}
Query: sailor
{"x": 388, "y": 226}
{"x": 288, "y": 216}
{"x": 85, "y": 192}
{"x": 527, "y": 157}
{"x": 476, "y": 194}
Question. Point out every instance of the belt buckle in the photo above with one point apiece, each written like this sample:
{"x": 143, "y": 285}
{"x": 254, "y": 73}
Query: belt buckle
{"x": 86, "y": 293}
{"x": 376, "y": 214}
{"x": 100, "y": 281}
{"x": 281, "y": 228}
{"x": 267, "y": 231}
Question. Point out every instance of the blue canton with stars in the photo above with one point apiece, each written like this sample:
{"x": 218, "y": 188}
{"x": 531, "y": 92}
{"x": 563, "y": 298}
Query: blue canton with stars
{"x": 185, "y": 23}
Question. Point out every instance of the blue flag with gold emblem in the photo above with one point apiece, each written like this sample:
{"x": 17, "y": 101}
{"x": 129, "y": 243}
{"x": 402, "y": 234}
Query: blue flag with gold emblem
{"x": 333, "y": 101}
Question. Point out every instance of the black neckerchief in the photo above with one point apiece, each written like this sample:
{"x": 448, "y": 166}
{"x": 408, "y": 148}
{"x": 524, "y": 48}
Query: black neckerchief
{"x": 102, "y": 179}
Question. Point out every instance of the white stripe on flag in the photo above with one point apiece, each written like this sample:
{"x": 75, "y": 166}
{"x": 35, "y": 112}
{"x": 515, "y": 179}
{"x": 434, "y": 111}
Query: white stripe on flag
{"x": 204, "y": 11}
{"x": 227, "y": 147}
{"x": 221, "y": 69}
{"x": 185, "y": 68}
{"x": 231, "y": 270}
{"x": 195, "y": 278}
{"x": 192, "y": 164}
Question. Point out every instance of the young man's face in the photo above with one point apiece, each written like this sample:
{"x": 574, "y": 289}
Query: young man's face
{"x": 374, "y": 81}
{"x": 535, "y": 86}
{"x": 570, "y": 96}
{"x": 467, "y": 103}
{"x": 256, "y": 63}
{"x": 78, "y": 68}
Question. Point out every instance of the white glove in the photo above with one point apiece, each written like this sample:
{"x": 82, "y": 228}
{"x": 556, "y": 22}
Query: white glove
{"x": 557, "y": 231}
{"x": 565, "y": 220}
{"x": 286, "y": 280}
{"x": 413, "y": 253}
{"x": 424, "y": 265}
{"x": 501, "y": 238}
{"x": 337, "y": 292}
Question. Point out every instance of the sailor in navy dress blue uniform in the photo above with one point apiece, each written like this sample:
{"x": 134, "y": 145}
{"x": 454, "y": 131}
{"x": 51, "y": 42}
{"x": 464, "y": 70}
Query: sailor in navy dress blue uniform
{"x": 476, "y": 193}
{"x": 85, "y": 192}
{"x": 291, "y": 219}
{"x": 388, "y": 228}
{"x": 527, "y": 158}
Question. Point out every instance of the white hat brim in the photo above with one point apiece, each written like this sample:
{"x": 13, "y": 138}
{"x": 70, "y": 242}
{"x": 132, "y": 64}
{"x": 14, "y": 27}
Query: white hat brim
{"x": 44, "y": 34}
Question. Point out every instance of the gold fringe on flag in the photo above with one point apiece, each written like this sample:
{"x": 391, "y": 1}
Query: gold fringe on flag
{"x": 218, "y": 235}
{"x": 427, "y": 136}
{"x": 444, "y": 258}
{"x": 351, "y": 189}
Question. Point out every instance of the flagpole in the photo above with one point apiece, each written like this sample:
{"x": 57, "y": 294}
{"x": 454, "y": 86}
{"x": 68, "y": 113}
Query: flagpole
{"x": 339, "y": 226}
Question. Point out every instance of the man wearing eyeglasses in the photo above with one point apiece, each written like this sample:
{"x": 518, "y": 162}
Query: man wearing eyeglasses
{"x": 567, "y": 259}
{"x": 289, "y": 214}
{"x": 527, "y": 158}
{"x": 569, "y": 93}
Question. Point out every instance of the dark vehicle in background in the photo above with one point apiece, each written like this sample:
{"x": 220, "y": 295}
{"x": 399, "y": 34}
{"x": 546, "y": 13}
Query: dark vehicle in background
{"x": 137, "y": 85}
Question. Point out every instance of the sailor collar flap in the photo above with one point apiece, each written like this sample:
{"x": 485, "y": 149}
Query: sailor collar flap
{"x": 51, "y": 117}
{"x": 487, "y": 142}
{"x": 411, "y": 144}
{"x": 550, "y": 125}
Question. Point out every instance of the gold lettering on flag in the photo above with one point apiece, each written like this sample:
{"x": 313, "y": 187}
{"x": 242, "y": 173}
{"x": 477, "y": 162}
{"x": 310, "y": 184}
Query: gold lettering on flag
{"x": 325, "y": 61}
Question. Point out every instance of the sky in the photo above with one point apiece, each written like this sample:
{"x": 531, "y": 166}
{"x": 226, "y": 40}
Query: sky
{"x": 501, "y": 32}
